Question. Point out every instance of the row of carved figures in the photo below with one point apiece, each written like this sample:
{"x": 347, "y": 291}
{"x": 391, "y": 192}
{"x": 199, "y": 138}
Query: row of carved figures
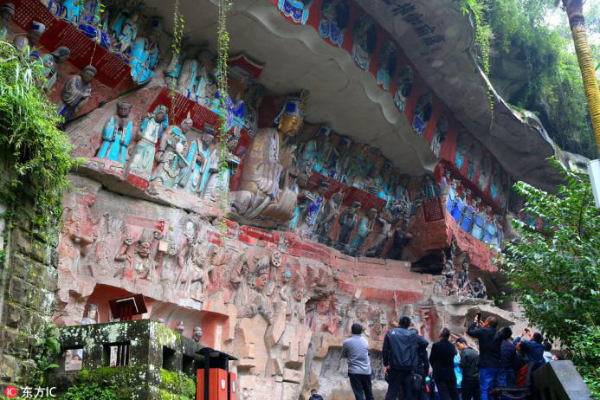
{"x": 472, "y": 216}
{"x": 166, "y": 154}
{"x": 119, "y": 26}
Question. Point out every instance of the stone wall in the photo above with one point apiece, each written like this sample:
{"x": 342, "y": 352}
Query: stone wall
{"x": 27, "y": 284}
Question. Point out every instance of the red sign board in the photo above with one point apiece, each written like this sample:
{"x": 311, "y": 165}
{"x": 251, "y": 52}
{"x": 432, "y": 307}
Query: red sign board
{"x": 432, "y": 209}
{"x": 112, "y": 71}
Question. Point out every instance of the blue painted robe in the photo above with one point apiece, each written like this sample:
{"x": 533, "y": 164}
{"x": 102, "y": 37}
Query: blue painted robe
{"x": 477, "y": 230}
{"x": 190, "y": 178}
{"x": 451, "y": 202}
{"x": 295, "y": 9}
{"x": 419, "y": 125}
{"x": 490, "y": 233}
{"x": 329, "y": 30}
{"x": 141, "y": 61}
{"x": 458, "y": 209}
{"x": 467, "y": 219}
{"x": 115, "y": 141}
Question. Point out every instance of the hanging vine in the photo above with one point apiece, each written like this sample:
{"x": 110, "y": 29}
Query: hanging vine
{"x": 225, "y": 119}
{"x": 483, "y": 39}
{"x": 178, "y": 26}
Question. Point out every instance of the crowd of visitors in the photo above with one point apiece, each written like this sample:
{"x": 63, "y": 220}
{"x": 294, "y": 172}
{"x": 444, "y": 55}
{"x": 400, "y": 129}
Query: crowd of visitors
{"x": 453, "y": 370}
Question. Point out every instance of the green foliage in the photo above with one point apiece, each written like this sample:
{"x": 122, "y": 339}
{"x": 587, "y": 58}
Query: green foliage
{"x": 177, "y": 383}
{"x": 555, "y": 271}
{"x": 586, "y": 355}
{"x": 91, "y": 391}
{"x": 36, "y": 153}
{"x": 47, "y": 348}
{"x": 107, "y": 383}
{"x": 516, "y": 30}
{"x": 222, "y": 88}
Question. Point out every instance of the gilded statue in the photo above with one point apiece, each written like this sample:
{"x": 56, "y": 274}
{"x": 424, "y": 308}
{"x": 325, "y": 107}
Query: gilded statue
{"x": 265, "y": 194}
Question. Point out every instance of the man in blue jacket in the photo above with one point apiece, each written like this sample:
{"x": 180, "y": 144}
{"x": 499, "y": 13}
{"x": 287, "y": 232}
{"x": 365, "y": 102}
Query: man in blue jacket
{"x": 401, "y": 349}
{"x": 535, "y": 347}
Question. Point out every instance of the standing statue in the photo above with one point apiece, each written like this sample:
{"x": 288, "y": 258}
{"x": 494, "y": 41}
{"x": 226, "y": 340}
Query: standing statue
{"x": 151, "y": 130}
{"x": 347, "y": 224}
{"x": 439, "y": 136}
{"x": 218, "y": 181}
{"x": 365, "y": 227}
{"x": 376, "y": 249}
{"x": 141, "y": 261}
{"x": 265, "y": 190}
{"x": 478, "y": 220}
{"x": 173, "y": 70}
{"x": 7, "y": 12}
{"x": 188, "y": 78}
{"x": 365, "y": 40}
{"x": 402, "y": 238}
{"x": 51, "y": 63}
{"x": 25, "y": 43}
{"x": 327, "y": 217}
{"x": 116, "y": 135}
{"x": 91, "y": 317}
{"x": 314, "y": 206}
{"x": 125, "y": 30}
{"x": 145, "y": 53}
{"x": 170, "y": 155}
{"x": 206, "y": 80}
{"x": 76, "y": 92}
{"x": 190, "y": 177}
{"x": 463, "y": 276}
{"x": 478, "y": 289}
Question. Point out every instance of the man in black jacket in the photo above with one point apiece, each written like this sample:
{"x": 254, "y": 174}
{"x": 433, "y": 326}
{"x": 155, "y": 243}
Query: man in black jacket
{"x": 469, "y": 360}
{"x": 509, "y": 353}
{"x": 442, "y": 362}
{"x": 401, "y": 349}
{"x": 490, "y": 343}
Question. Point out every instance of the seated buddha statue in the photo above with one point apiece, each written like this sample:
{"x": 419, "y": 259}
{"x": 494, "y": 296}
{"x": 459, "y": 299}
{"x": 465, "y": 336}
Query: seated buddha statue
{"x": 266, "y": 190}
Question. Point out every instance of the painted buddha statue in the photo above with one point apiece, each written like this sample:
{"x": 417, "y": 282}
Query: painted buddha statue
{"x": 265, "y": 191}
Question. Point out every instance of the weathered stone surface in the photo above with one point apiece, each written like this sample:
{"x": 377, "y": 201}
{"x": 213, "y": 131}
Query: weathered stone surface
{"x": 560, "y": 380}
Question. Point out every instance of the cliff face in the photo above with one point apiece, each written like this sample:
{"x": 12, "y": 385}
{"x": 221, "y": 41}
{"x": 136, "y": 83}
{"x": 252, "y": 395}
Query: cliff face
{"x": 389, "y": 200}
{"x": 516, "y": 138}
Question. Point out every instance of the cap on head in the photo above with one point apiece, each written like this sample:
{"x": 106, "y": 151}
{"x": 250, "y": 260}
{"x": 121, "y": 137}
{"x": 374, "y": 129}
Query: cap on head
{"x": 37, "y": 27}
{"x": 62, "y": 51}
{"x": 8, "y": 7}
{"x": 91, "y": 69}
{"x": 294, "y": 106}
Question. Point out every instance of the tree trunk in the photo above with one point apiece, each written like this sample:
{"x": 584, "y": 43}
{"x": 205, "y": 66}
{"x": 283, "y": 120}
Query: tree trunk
{"x": 574, "y": 10}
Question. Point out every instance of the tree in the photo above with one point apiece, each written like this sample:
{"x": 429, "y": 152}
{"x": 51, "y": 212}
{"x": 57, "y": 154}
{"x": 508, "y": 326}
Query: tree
{"x": 574, "y": 9}
{"x": 554, "y": 269}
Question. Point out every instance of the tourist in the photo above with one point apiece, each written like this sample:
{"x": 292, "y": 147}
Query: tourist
{"x": 508, "y": 354}
{"x": 548, "y": 356}
{"x": 356, "y": 350}
{"x": 401, "y": 349}
{"x": 521, "y": 364}
{"x": 442, "y": 363}
{"x": 535, "y": 347}
{"x": 490, "y": 344}
{"x": 469, "y": 360}
{"x": 314, "y": 395}
{"x": 422, "y": 370}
